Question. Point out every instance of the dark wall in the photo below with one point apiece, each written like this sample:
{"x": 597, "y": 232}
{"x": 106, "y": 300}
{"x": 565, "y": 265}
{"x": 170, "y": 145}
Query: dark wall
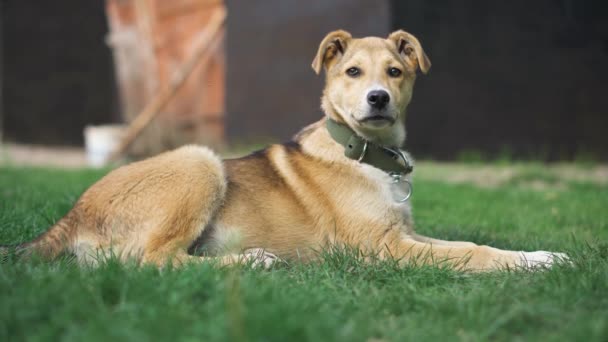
{"x": 58, "y": 73}
{"x": 528, "y": 76}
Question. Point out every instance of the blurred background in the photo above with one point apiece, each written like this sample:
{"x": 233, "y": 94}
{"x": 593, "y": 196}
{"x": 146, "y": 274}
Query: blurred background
{"x": 517, "y": 79}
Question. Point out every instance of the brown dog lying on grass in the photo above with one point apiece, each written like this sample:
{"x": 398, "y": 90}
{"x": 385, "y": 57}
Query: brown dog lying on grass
{"x": 342, "y": 181}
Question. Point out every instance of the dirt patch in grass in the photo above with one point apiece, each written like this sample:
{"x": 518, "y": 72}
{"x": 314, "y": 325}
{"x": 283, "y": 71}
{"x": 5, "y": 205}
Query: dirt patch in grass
{"x": 532, "y": 176}
{"x": 38, "y": 155}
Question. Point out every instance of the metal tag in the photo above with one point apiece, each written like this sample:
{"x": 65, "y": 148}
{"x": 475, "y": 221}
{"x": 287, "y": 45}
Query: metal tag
{"x": 399, "y": 179}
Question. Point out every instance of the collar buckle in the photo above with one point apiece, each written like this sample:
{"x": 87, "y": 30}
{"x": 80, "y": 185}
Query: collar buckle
{"x": 406, "y": 162}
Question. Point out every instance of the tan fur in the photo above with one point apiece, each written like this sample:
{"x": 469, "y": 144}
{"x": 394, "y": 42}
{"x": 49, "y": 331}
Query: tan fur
{"x": 290, "y": 200}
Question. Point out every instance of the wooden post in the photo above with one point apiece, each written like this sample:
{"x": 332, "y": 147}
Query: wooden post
{"x": 205, "y": 42}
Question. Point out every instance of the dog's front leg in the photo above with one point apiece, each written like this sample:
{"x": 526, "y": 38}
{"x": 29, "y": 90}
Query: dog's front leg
{"x": 433, "y": 241}
{"x": 470, "y": 258}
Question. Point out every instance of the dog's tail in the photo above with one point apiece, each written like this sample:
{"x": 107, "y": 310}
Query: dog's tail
{"x": 48, "y": 245}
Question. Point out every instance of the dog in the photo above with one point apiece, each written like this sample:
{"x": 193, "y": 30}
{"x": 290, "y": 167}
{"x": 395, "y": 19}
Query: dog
{"x": 342, "y": 181}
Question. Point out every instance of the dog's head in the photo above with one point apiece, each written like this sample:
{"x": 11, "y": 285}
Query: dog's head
{"x": 369, "y": 82}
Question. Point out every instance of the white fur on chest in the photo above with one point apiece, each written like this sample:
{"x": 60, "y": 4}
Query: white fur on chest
{"x": 382, "y": 202}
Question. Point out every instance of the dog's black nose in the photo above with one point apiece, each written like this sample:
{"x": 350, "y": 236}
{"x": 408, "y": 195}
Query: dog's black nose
{"x": 378, "y": 99}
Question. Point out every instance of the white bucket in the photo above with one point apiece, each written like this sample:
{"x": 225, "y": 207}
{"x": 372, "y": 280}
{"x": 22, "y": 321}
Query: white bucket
{"x": 101, "y": 141}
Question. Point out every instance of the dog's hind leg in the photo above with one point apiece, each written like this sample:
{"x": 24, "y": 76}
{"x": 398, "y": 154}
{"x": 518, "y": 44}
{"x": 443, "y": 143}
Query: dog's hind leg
{"x": 187, "y": 208}
{"x": 150, "y": 210}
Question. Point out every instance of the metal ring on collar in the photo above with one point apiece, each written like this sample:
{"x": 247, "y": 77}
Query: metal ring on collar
{"x": 410, "y": 191}
{"x": 363, "y": 152}
{"x": 398, "y": 178}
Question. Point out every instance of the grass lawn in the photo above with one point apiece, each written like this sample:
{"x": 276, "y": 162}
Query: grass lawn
{"x": 341, "y": 299}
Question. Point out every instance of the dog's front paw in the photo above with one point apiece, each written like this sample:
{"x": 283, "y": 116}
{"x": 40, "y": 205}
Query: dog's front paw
{"x": 260, "y": 258}
{"x": 541, "y": 259}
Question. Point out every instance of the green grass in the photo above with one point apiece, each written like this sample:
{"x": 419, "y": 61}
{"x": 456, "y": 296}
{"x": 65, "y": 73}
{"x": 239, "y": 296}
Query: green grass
{"x": 339, "y": 299}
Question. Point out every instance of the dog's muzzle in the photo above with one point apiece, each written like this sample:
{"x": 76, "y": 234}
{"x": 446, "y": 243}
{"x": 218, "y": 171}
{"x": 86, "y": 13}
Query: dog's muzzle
{"x": 378, "y": 101}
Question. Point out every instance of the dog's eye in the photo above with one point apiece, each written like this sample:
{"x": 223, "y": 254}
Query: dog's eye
{"x": 394, "y": 72}
{"x": 353, "y": 72}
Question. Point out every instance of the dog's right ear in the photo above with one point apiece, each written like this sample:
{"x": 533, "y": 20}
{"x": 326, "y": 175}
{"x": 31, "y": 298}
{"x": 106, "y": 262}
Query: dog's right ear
{"x": 332, "y": 46}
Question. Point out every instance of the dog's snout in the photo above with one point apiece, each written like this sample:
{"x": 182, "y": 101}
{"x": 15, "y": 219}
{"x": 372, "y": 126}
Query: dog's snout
{"x": 378, "y": 99}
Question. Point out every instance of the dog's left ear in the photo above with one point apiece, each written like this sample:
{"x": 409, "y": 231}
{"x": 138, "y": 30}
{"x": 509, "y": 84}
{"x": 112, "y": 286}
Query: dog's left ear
{"x": 410, "y": 49}
{"x": 332, "y": 46}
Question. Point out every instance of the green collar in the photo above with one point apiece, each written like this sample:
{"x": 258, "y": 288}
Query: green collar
{"x": 388, "y": 159}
